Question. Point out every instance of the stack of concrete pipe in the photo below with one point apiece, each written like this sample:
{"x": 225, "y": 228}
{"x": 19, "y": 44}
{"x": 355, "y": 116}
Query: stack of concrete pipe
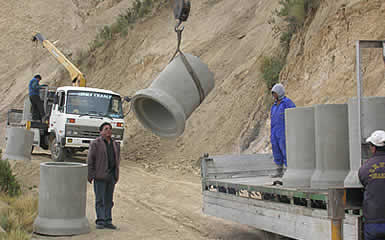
{"x": 19, "y": 143}
{"x": 372, "y": 118}
{"x": 317, "y": 146}
{"x": 62, "y": 199}
{"x": 300, "y": 146}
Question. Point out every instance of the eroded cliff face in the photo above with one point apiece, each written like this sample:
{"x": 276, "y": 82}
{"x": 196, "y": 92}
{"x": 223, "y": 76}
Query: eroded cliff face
{"x": 321, "y": 63}
{"x": 232, "y": 37}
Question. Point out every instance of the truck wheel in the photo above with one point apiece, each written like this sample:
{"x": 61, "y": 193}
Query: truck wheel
{"x": 58, "y": 153}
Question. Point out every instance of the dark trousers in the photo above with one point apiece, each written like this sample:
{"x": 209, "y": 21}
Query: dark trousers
{"x": 104, "y": 192}
{"x": 37, "y": 107}
{"x": 374, "y": 231}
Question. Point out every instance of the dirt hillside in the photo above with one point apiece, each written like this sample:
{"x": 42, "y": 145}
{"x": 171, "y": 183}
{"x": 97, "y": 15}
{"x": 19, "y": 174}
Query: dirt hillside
{"x": 231, "y": 36}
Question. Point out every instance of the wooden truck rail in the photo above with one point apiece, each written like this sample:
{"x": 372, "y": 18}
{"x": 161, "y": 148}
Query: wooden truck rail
{"x": 238, "y": 188}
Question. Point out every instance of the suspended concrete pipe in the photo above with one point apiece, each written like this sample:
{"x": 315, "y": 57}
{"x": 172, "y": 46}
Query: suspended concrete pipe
{"x": 19, "y": 144}
{"x": 331, "y": 145}
{"x": 180, "y": 88}
{"x": 372, "y": 118}
{"x": 300, "y": 146}
{"x": 62, "y": 199}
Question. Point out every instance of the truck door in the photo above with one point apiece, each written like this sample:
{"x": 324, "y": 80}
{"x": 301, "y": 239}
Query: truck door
{"x": 57, "y": 121}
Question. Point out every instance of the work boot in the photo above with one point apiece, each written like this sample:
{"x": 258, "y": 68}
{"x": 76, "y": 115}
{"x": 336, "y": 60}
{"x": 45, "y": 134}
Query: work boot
{"x": 279, "y": 172}
{"x": 110, "y": 226}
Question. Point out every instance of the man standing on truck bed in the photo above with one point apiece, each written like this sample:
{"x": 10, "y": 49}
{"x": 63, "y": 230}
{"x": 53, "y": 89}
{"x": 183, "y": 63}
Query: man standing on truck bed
{"x": 34, "y": 97}
{"x": 103, "y": 169}
{"x": 277, "y": 127}
{"x": 372, "y": 176}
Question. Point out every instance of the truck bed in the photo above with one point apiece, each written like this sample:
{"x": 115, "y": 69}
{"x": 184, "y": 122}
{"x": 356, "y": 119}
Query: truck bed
{"x": 238, "y": 188}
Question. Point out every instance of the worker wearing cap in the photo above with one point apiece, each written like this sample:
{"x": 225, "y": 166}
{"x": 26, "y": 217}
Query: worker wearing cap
{"x": 277, "y": 127}
{"x": 372, "y": 177}
{"x": 34, "y": 97}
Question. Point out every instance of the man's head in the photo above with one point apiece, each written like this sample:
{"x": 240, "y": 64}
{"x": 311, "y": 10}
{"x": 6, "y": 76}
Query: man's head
{"x": 377, "y": 141}
{"x": 278, "y": 91}
{"x": 38, "y": 77}
{"x": 105, "y": 130}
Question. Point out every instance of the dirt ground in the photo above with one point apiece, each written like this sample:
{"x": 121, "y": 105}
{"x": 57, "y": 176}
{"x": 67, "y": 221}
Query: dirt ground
{"x": 147, "y": 205}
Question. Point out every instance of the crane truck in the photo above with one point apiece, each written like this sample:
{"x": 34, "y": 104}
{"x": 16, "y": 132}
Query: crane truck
{"x": 74, "y": 112}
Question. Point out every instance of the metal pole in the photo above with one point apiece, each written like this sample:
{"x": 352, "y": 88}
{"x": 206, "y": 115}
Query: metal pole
{"x": 336, "y": 212}
{"x": 359, "y": 94}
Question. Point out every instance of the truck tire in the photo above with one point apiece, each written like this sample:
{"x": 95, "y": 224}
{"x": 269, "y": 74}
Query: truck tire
{"x": 58, "y": 153}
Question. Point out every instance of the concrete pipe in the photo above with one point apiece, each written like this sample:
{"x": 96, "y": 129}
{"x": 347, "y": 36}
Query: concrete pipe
{"x": 300, "y": 147}
{"x": 372, "y": 118}
{"x": 165, "y": 106}
{"x": 18, "y": 144}
{"x": 62, "y": 199}
{"x": 332, "y": 145}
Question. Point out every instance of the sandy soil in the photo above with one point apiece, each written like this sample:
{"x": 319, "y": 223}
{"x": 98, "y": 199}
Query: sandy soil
{"x": 147, "y": 205}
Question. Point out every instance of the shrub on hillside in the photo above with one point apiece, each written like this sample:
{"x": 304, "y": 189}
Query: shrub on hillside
{"x": 270, "y": 68}
{"x": 8, "y": 182}
{"x": 294, "y": 13}
{"x": 130, "y": 16}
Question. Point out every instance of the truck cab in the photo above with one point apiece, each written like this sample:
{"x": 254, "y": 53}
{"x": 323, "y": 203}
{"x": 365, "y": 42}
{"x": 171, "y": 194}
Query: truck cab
{"x": 75, "y": 117}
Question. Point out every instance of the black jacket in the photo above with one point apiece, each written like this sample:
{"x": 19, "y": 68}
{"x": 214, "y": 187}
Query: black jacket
{"x": 372, "y": 176}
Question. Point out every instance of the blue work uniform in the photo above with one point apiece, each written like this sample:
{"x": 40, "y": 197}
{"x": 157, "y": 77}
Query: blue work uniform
{"x": 34, "y": 87}
{"x": 277, "y": 130}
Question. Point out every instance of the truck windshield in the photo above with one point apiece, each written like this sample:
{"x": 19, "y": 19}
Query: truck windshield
{"x": 94, "y": 103}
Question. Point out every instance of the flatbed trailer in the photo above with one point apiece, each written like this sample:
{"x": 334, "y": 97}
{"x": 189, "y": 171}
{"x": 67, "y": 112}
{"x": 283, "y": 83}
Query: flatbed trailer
{"x": 238, "y": 188}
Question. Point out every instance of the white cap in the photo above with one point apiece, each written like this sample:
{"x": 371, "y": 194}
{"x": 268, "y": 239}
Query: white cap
{"x": 377, "y": 138}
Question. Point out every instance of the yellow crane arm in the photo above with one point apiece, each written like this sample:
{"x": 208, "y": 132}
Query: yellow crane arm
{"x": 77, "y": 77}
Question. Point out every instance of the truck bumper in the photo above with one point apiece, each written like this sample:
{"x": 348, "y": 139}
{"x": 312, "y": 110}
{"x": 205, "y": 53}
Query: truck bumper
{"x": 81, "y": 142}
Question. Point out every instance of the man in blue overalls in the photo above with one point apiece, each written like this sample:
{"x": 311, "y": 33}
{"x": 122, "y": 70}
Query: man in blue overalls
{"x": 372, "y": 177}
{"x": 34, "y": 97}
{"x": 277, "y": 130}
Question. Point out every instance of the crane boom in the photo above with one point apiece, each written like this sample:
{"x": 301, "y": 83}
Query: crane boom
{"x": 77, "y": 77}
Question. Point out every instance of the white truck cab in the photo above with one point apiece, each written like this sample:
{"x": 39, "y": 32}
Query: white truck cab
{"x": 77, "y": 113}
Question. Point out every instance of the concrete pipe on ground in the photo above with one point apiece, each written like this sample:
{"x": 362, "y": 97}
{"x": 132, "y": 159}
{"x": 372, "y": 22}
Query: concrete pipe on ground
{"x": 19, "y": 143}
{"x": 300, "y": 146}
{"x": 332, "y": 145}
{"x": 62, "y": 199}
{"x": 372, "y": 118}
{"x": 165, "y": 106}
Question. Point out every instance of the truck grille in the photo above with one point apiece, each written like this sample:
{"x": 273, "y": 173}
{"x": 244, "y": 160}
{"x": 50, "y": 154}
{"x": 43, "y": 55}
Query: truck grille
{"x": 82, "y": 131}
{"x": 87, "y": 131}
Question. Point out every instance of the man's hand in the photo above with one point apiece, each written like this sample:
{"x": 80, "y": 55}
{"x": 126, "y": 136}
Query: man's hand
{"x": 90, "y": 179}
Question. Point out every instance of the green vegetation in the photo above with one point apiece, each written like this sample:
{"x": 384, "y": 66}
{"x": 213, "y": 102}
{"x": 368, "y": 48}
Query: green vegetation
{"x": 294, "y": 13}
{"x": 18, "y": 216}
{"x": 139, "y": 10}
{"x": 271, "y": 67}
{"x": 17, "y": 212}
{"x": 8, "y": 182}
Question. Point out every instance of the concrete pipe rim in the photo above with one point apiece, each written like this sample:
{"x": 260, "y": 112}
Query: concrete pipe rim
{"x": 174, "y": 123}
{"x": 63, "y": 164}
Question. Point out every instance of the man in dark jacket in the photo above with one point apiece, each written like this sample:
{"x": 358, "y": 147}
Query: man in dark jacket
{"x": 34, "y": 96}
{"x": 372, "y": 176}
{"x": 103, "y": 170}
{"x": 277, "y": 127}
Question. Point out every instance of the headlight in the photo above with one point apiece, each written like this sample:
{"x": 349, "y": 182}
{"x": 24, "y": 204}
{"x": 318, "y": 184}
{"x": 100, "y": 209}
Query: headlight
{"x": 116, "y": 136}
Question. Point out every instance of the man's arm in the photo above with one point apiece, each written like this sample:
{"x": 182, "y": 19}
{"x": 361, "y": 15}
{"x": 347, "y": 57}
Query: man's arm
{"x": 91, "y": 162}
{"x": 35, "y": 85}
{"x": 363, "y": 174}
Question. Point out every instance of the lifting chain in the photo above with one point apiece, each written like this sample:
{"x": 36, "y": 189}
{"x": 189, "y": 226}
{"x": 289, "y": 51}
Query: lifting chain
{"x": 181, "y": 13}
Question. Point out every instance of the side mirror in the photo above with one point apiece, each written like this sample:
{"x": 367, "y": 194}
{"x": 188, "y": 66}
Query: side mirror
{"x": 127, "y": 99}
